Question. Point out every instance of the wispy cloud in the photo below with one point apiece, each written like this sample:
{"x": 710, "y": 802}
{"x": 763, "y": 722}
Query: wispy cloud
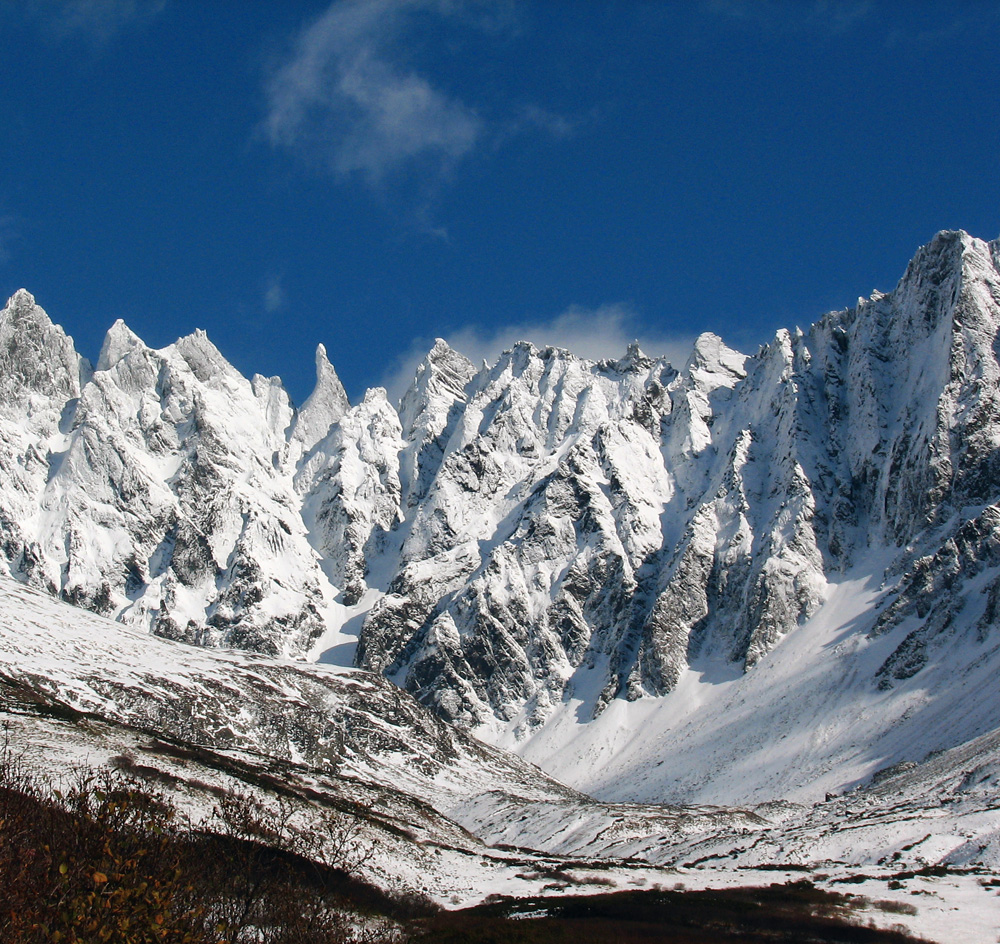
{"x": 594, "y": 333}
{"x": 96, "y": 20}
{"x": 558, "y": 126}
{"x": 343, "y": 96}
{"x": 349, "y": 96}
{"x": 274, "y": 295}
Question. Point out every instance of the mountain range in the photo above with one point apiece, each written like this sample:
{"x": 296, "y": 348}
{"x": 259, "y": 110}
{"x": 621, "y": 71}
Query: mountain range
{"x": 745, "y": 580}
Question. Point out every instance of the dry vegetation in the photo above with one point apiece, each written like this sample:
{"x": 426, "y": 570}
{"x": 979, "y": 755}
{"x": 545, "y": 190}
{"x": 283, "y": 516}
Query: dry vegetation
{"x": 107, "y": 858}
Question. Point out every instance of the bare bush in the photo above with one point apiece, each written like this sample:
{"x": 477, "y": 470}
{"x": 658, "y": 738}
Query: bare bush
{"x": 105, "y": 858}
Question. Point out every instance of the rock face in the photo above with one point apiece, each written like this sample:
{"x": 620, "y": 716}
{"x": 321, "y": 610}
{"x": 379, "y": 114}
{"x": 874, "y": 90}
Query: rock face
{"x": 542, "y": 529}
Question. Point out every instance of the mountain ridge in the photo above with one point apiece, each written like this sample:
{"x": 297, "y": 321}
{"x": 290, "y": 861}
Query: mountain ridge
{"x": 531, "y": 544}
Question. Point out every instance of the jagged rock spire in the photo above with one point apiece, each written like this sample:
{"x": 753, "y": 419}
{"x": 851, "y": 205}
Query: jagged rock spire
{"x": 325, "y": 406}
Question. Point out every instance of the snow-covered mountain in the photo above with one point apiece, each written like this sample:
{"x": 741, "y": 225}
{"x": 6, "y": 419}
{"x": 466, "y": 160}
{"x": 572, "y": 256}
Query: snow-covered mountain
{"x": 600, "y": 564}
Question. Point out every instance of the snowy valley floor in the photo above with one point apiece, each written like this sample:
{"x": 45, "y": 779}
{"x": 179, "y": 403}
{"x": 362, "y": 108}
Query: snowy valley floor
{"x": 461, "y": 823}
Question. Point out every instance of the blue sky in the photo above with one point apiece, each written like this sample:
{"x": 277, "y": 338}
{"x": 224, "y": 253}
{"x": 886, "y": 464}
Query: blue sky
{"x": 373, "y": 174}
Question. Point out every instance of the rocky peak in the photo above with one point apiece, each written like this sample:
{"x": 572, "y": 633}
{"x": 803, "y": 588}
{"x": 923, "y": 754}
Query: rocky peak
{"x": 21, "y": 301}
{"x": 714, "y": 362}
{"x": 351, "y": 491}
{"x": 439, "y": 382}
{"x": 426, "y": 411}
{"x": 119, "y": 341}
{"x": 205, "y": 360}
{"x": 38, "y": 362}
{"x": 634, "y": 360}
{"x": 325, "y": 406}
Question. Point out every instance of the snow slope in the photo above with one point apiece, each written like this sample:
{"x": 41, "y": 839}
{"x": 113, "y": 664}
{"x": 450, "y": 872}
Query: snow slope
{"x": 810, "y": 720}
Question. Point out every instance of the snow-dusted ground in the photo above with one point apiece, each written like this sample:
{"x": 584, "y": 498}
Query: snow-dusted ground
{"x": 460, "y": 821}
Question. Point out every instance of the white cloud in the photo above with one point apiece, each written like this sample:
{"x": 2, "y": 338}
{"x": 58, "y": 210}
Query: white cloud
{"x": 558, "y": 126}
{"x": 274, "y": 295}
{"x": 594, "y": 333}
{"x": 343, "y": 98}
{"x": 349, "y": 97}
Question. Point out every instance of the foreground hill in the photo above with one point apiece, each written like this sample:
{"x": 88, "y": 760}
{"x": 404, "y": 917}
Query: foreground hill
{"x": 421, "y": 809}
